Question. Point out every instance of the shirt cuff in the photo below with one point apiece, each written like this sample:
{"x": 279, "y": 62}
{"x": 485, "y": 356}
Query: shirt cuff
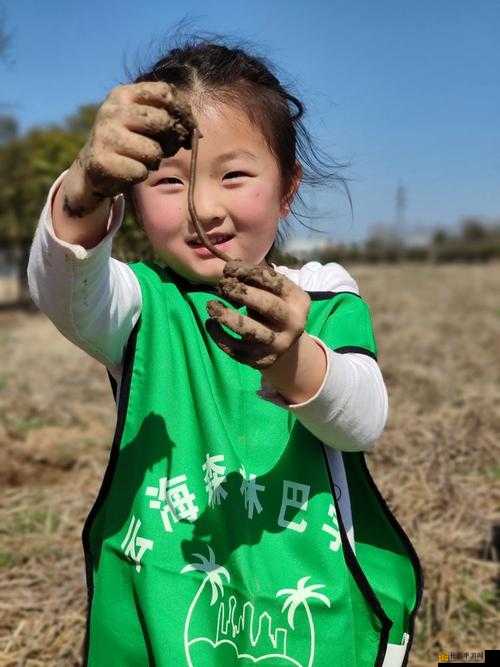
{"x": 78, "y": 251}
{"x": 268, "y": 393}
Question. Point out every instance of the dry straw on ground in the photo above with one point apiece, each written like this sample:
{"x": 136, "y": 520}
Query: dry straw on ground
{"x": 437, "y": 463}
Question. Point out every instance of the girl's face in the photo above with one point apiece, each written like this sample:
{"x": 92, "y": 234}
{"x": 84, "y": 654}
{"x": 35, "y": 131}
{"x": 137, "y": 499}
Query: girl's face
{"x": 238, "y": 193}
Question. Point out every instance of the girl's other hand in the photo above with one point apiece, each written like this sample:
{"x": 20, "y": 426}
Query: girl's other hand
{"x": 135, "y": 127}
{"x": 277, "y": 314}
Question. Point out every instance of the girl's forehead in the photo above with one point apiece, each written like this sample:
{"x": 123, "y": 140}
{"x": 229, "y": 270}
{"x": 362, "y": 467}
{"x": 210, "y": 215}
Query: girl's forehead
{"x": 228, "y": 124}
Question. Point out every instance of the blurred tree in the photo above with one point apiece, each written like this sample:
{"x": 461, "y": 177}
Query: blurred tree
{"x": 82, "y": 120}
{"x": 473, "y": 229}
{"x": 9, "y": 128}
{"x": 440, "y": 236}
{"x": 29, "y": 165}
{"x": 131, "y": 243}
{"x": 383, "y": 244}
{"x": 383, "y": 235}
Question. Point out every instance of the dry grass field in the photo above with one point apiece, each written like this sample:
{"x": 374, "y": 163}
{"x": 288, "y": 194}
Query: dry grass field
{"x": 437, "y": 463}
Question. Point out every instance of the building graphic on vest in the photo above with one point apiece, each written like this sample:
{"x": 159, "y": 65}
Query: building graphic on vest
{"x": 263, "y": 643}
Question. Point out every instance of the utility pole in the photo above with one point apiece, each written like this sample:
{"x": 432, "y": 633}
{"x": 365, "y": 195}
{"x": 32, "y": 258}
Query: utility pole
{"x": 401, "y": 212}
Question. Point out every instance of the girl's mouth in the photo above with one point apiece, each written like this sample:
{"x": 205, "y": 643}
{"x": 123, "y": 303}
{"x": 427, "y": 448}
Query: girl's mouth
{"x": 222, "y": 242}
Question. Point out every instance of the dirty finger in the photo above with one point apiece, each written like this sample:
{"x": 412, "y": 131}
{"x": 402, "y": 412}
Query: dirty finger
{"x": 258, "y": 355}
{"x": 136, "y": 146}
{"x": 170, "y": 99}
{"x": 249, "y": 329}
{"x": 153, "y": 93}
{"x": 261, "y": 276}
{"x": 267, "y": 304}
{"x": 141, "y": 118}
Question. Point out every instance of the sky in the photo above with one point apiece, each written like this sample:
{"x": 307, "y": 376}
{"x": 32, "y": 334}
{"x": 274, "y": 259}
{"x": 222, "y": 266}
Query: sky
{"x": 406, "y": 93}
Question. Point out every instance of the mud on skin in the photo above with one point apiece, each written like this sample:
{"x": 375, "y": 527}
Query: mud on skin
{"x": 101, "y": 182}
{"x": 251, "y": 350}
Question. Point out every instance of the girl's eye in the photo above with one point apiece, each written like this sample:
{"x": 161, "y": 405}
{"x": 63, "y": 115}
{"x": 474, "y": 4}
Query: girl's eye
{"x": 235, "y": 174}
{"x": 170, "y": 181}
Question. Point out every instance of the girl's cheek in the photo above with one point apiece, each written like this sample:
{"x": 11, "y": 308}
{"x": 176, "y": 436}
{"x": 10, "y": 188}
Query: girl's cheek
{"x": 173, "y": 211}
{"x": 257, "y": 202}
{"x": 164, "y": 216}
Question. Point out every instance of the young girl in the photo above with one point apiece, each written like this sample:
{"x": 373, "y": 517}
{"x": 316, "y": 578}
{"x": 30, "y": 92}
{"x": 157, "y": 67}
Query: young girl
{"x": 237, "y": 522}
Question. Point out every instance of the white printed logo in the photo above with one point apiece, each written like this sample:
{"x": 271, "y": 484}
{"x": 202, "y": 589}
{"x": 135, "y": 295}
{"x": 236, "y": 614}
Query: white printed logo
{"x": 294, "y": 501}
{"x": 215, "y": 475}
{"x": 249, "y": 488}
{"x": 333, "y": 531}
{"x": 133, "y": 546}
{"x": 266, "y": 643}
{"x": 174, "y": 500}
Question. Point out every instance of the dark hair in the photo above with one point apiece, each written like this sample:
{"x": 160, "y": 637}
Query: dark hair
{"x": 233, "y": 76}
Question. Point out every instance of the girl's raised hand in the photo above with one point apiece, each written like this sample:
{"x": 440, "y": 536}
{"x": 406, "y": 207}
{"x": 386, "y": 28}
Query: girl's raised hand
{"x": 277, "y": 313}
{"x": 135, "y": 127}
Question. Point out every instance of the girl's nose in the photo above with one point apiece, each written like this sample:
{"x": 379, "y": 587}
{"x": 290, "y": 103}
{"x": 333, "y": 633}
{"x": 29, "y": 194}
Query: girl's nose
{"x": 208, "y": 204}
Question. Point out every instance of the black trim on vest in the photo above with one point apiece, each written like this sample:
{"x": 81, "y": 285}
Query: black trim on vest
{"x": 318, "y": 296}
{"x": 355, "y": 348}
{"x": 359, "y": 575}
{"x": 128, "y": 364}
{"x": 412, "y": 553}
{"x": 113, "y": 383}
{"x": 406, "y": 541}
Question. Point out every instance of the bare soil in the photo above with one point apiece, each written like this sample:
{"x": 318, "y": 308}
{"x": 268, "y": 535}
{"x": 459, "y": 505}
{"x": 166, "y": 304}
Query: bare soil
{"x": 437, "y": 463}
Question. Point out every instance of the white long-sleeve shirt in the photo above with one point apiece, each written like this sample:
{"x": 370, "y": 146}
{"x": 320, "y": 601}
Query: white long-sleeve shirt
{"x": 95, "y": 301}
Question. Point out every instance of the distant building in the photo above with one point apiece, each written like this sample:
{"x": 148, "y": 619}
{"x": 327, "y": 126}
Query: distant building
{"x": 301, "y": 247}
{"x": 418, "y": 239}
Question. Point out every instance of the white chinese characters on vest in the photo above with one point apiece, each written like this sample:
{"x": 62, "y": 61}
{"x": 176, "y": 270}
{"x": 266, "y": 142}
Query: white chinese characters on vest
{"x": 174, "y": 502}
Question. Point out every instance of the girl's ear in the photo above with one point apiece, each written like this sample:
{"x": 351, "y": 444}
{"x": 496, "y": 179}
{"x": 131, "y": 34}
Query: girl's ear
{"x": 292, "y": 190}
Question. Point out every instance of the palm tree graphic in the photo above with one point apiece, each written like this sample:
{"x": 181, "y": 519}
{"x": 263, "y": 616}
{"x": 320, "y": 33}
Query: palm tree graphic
{"x": 298, "y": 596}
{"x": 213, "y": 574}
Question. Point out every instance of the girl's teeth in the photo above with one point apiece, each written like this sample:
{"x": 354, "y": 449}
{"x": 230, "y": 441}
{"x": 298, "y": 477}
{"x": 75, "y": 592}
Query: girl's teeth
{"x": 197, "y": 244}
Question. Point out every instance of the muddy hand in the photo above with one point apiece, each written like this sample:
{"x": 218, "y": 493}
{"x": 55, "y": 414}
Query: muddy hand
{"x": 277, "y": 313}
{"x": 134, "y": 129}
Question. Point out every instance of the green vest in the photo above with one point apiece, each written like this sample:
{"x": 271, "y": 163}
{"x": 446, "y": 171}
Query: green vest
{"x": 216, "y": 539}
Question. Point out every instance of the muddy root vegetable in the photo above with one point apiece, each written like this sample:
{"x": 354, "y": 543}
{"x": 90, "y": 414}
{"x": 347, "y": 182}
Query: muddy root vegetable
{"x": 192, "y": 210}
{"x": 273, "y": 279}
{"x": 256, "y": 342}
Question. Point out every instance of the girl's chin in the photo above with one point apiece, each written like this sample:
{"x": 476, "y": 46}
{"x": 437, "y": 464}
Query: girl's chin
{"x": 205, "y": 272}
{"x": 200, "y": 266}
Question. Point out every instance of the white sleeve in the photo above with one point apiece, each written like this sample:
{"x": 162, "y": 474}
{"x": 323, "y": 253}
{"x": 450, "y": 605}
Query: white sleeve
{"x": 350, "y": 409}
{"x": 93, "y": 299}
